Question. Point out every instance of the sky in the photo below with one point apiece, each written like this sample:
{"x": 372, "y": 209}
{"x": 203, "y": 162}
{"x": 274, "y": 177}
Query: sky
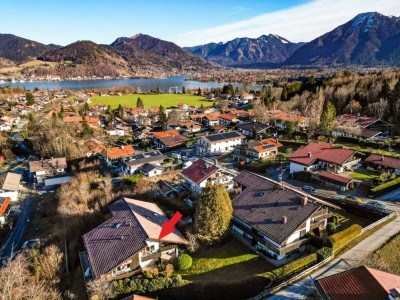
{"x": 184, "y": 22}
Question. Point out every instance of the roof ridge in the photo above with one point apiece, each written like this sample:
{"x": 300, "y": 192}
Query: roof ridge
{"x": 134, "y": 216}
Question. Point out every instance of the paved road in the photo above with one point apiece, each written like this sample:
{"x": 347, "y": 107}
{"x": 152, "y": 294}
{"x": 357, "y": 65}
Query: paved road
{"x": 14, "y": 241}
{"x": 305, "y": 287}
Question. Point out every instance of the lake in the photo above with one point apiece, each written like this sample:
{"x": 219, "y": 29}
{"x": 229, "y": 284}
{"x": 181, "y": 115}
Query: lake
{"x": 144, "y": 83}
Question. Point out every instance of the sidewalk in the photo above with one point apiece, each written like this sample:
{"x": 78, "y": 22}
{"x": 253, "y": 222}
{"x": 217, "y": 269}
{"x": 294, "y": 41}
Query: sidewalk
{"x": 305, "y": 287}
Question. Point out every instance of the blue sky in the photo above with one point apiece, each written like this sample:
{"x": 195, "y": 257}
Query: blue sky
{"x": 186, "y": 23}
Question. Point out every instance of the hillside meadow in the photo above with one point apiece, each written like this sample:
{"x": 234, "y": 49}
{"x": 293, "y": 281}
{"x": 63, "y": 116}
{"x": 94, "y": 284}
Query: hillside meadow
{"x": 150, "y": 100}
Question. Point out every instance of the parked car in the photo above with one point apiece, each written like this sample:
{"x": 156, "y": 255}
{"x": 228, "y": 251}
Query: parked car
{"x": 353, "y": 199}
{"x": 309, "y": 189}
{"x": 30, "y": 244}
{"x": 376, "y": 205}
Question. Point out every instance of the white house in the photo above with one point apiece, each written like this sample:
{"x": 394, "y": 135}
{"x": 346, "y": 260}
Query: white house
{"x": 49, "y": 171}
{"x": 219, "y": 143}
{"x": 10, "y": 185}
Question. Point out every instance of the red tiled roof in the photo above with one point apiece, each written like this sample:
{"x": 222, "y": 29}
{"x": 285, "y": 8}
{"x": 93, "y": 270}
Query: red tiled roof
{"x": 322, "y": 151}
{"x": 227, "y": 117}
{"x": 358, "y": 284}
{"x": 90, "y": 120}
{"x": 165, "y": 133}
{"x": 4, "y": 202}
{"x": 388, "y": 162}
{"x": 199, "y": 171}
{"x": 287, "y": 117}
{"x": 118, "y": 152}
{"x": 266, "y": 142}
{"x": 334, "y": 178}
{"x": 173, "y": 140}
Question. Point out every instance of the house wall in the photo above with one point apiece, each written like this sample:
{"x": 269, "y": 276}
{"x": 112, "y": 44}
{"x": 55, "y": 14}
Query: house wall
{"x": 295, "y": 167}
{"x": 223, "y": 146}
{"x": 12, "y": 194}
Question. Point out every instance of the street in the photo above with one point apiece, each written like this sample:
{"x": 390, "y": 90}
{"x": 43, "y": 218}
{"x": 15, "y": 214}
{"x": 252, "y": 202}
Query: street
{"x": 305, "y": 287}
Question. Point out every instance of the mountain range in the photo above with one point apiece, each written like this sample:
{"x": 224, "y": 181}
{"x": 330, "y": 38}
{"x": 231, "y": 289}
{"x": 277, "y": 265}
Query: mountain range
{"x": 369, "y": 39}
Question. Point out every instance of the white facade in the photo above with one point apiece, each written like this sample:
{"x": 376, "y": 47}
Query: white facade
{"x": 12, "y": 194}
{"x": 219, "y": 146}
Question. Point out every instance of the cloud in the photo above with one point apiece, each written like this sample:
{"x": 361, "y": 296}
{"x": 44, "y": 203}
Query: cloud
{"x": 300, "y": 23}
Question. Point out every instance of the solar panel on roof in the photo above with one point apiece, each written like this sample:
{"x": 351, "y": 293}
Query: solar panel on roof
{"x": 268, "y": 146}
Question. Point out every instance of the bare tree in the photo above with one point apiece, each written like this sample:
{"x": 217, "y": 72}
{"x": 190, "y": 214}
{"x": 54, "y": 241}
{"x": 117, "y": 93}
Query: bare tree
{"x": 100, "y": 289}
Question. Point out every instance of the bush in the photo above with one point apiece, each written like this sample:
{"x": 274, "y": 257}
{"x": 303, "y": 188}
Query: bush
{"x": 183, "y": 262}
{"x": 341, "y": 238}
{"x": 147, "y": 274}
{"x": 331, "y": 227}
{"x": 324, "y": 253}
{"x": 302, "y": 176}
{"x": 385, "y": 187}
{"x": 291, "y": 268}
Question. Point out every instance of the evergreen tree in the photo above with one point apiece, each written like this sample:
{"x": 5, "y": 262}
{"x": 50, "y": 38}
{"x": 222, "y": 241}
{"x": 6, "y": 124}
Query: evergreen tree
{"x": 328, "y": 116}
{"x": 86, "y": 129}
{"x": 86, "y": 107}
{"x": 213, "y": 214}
{"x": 139, "y": 103}
{"x": 385, "y": 89}
{"x": 30, "y": 99}
{"x": 162, "y": 115}
{"x": 199, "y": 92}
{"x": 228, "y": 89}
{"x": 284, "y": 95}
{"x": 183, "y": 90}
{"x": 255, "y": 133}
{"x": 120, "y": 111}
{"x": 158, "y": 91}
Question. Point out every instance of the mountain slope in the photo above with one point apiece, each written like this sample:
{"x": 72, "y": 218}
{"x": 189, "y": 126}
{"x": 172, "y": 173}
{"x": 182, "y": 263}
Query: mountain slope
{"x": 18, "y": 49}
{"x": 369, "y": 39}
{"x": 85, "y": 58}
{"x": 245, "y": 51}
{"x": 147, "y": 55}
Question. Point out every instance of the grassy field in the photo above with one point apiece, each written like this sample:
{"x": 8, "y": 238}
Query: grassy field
{"x": 387, "y": 257}
{"x": 151, "y": 100}
{"x": 231, "y": 260}
{"x": 364, "y": 174}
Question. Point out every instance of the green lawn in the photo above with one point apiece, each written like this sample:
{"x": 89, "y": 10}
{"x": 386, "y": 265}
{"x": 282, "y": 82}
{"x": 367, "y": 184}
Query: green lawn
{"x": 151, "y": 100}
{"x": 231, "y": 260}
{"x": 346, "y": 219}
{"x": 368, "y": 149}
{"x": 364, "y": 175}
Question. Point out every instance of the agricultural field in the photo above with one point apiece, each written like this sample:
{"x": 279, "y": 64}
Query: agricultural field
{"x": 151, "y": 100}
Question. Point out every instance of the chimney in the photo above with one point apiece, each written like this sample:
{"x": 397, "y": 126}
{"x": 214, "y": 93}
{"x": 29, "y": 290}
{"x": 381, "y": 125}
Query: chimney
{"x": 304, "y": 200}
{"x": 284, "y": 219}
{"x": 122, "y": 147}
{"x": 309, "y": 154}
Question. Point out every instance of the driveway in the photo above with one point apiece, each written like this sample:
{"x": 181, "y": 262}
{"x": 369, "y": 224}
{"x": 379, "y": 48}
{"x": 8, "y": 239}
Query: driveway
{"x": 305, "y": 287}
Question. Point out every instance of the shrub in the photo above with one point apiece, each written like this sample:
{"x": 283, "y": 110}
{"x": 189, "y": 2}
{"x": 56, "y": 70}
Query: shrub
{"x": 341, "y": 238}
{"x": 147, "y": 274}
{"x": 183, "y": 262}
{"x": 385, "y": 187}
{"x": 324, "y": 253}
{"x": 291, "y": 268}
{"x": 331, "y": 227}
{"x": 302, "y": 176}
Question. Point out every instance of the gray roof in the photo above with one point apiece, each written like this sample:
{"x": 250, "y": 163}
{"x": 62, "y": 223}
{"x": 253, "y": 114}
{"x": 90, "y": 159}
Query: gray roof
{"x": 147, "y": 157}
{"x": 263, "y": 204}
{"x": 148, "y": 167}
{"x": 249, "y": 126}
{"x": 218, "y": 137}
{"x": 133, "y": 222}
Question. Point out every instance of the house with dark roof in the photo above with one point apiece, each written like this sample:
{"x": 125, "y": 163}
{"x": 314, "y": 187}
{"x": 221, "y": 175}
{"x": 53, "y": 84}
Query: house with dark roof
{"x": 214, "y": 144}
{"x": 361, "y": 127}
{"x": 128, "y": 241}
{"x": 134, "y": 164}
{"x": 359, "y": 284}
{"x": 248, "y": 128}
{"x": 203, "y": 172}
{"x": 380, "y": 162}
{"x": 274, "y": 218}
{"x": 323, "y": 156}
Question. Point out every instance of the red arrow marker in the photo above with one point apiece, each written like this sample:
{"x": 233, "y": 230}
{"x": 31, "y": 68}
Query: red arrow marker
{"x": 168, "y": 227}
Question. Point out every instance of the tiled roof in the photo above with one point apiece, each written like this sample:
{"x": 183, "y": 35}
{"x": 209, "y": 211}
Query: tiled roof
{"x": 263, "y": 204}
{"x": 118, "y": 152}
{"x": 227, "y": 117}
{"x": 322, "y": 151}
{"x": 249, "y": 126}
{"x": 368, "y": 133}
{"x": 286, "y": 117}
{"x": 124, "y": 234}
{"x": 387, "y": 161}
{"x": 266, "y": 145}
{"x": 199, "y": 171}
{"x": 362, "y": 121}
{"x": 173, "y": 140}
{"x": 147, "y": 157}
{"x": 90, "y": 120}
{"x": 165, "y": 133}
{"x": 358, "y": 284}
{"x": 334, "y": 178}
{"x": 48, "y": 164}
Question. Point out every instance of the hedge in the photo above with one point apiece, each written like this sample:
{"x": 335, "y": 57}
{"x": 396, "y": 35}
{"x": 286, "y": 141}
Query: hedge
{"x": 290, "y": 268}
{"x": 324, "y": 253}
{"x": 386, "y": 187}
{"x": 340, "y": 238}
